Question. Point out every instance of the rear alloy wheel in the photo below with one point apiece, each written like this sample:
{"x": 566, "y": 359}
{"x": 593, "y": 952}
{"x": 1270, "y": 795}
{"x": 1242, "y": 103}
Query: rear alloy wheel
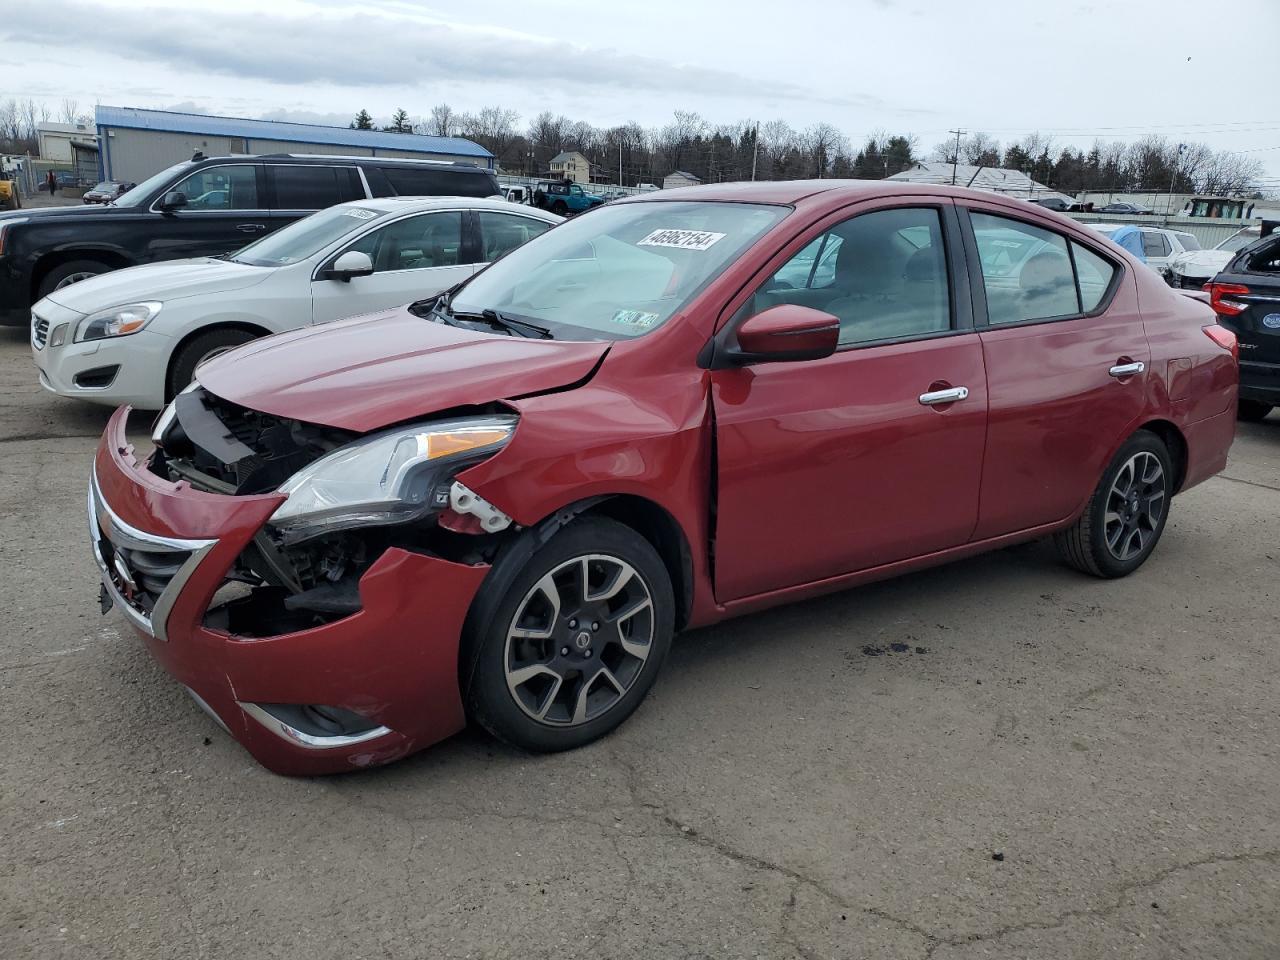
{"x": 1126, "y": 514}
{"x": 576, "y": 641}
{"x": 1252, "y": 411}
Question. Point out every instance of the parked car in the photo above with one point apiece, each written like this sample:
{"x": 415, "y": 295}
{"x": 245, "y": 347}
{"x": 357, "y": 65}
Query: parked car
{"x": 136, "y": 336}
{"x": 107, "y": 191}
{"x": 517, "y": 194}
{"x": 564, "y": 198}
{"x": 1246, "y": 297}
{"x": 204, "y": 207}
{"x": 1057, "y": 204}
{"x": 1160, "y": 247}
{"x": 1123, "y": 206}
{"x": 502, "y": 502}
{"x": 1191, "y": 271}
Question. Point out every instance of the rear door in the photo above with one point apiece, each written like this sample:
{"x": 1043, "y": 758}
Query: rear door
{"x": 413, "y": 258}
{"x": 298, "y": 190}
{"x": 500, "y": 233}
{"x": 1257, "y": 326}
{"x": 1067, "y": 361}
{"x": 873, "y": 454}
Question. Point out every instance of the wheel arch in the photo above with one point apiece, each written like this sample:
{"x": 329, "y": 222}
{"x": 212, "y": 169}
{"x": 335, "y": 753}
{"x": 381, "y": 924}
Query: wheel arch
{"x": 1175, "y": 443}
{"x": 56, "y": 258}
{"x": 248, "y": 326}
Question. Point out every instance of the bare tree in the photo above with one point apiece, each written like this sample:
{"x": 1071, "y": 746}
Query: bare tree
{"x": 823, "y": 142}
{"x": 443, "y": 122}
{"x": 70, "y": 110}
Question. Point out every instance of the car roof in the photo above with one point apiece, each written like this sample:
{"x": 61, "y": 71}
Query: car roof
{"x": 390, "y": 205}
{"x": 794, "y": 191}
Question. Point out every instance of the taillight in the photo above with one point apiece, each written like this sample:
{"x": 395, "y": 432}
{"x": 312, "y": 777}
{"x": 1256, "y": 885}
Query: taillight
{"x": 1219, "y": 294}
{"x": 1224, "y": 338}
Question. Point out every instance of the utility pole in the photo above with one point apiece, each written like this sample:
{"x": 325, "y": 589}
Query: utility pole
{"x": 755, "y": 150}
{"x": 955, "y": 157}
{"x": 619, "y": 161}
{"x": 1177, "y": 163}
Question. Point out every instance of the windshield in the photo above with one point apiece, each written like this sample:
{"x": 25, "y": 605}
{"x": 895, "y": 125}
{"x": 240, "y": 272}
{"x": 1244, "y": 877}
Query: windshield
{"x": 304, "y": 238}
{"x": 619, "y": 271}
{"x": 137, "y": 197}
{"x": 1237, "y": 241}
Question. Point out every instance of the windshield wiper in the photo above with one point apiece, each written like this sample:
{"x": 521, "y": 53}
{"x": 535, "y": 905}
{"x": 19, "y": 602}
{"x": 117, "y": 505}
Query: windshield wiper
{"x": 505, "y": 321}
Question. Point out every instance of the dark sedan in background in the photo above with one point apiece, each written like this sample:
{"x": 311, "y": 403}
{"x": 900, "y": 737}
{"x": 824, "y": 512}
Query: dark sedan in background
{"x": 107, "y": 191}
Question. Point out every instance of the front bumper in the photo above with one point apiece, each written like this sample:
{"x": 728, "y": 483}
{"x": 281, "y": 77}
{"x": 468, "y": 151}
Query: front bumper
{"x": 394, "y": 662}
{"x": 129, "y": 370}
{"x": 1260, "y": 381}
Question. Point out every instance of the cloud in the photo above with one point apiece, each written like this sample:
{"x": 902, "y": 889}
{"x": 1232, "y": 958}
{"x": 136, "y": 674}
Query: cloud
{"x": 378, "y": 47}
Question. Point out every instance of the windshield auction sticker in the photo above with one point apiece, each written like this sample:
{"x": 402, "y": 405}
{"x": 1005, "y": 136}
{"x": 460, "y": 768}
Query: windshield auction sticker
{"x": 360, "y": 213}
{"x": 681, "y": 239}
{"x": 635, "y": 318}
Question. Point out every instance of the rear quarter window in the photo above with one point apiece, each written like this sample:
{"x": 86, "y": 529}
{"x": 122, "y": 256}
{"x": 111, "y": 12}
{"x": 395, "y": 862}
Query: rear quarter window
{"x": 418, "y": 182}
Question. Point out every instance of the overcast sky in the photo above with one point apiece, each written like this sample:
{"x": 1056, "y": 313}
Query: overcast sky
{"x": 1116, "y": 69}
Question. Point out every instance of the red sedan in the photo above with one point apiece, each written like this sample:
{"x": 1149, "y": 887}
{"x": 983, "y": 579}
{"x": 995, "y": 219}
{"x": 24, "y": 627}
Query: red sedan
{"x": 501, "y": 503}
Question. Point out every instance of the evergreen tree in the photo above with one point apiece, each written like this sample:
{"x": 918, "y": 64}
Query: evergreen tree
{"x": 399, "y": 123}
{"x": 362, "y": 121}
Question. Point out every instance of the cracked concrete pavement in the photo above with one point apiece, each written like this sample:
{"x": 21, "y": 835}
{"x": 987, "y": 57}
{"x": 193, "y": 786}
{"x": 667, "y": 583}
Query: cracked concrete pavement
{"x": 830, "y": 779}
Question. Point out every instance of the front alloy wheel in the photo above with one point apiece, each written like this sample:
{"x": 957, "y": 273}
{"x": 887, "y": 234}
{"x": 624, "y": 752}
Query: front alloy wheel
{"x": 567, "y": 638}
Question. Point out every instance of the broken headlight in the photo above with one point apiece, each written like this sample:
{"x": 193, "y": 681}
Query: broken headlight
{"x": 390, "y": 477}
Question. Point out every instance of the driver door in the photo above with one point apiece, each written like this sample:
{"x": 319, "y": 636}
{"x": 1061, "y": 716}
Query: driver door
{"x": 831, "y": 466}
{"x": 413, "y": 258}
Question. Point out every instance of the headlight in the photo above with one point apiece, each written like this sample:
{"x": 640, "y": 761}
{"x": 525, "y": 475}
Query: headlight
{"x": 167, "y": 416}
{"x": 117, "y": 322}
{"x": 390, "y": 477}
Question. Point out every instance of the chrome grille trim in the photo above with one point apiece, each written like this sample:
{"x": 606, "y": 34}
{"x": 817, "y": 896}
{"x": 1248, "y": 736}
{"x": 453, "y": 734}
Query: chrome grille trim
{"x": 39, "y": 331}
{"x": 104, "y": 524}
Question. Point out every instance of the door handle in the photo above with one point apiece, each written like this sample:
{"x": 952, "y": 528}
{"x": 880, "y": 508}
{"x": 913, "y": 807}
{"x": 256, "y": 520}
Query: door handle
{"x": 1127, "y": 369}
{"x": 250, "y": 227}
{"x": 950, "y": 395}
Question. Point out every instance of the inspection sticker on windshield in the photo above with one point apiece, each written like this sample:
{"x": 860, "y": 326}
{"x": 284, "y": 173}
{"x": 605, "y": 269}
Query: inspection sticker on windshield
{"x": 683, "y": 239}
{"x": 635, "y": 318}
{"x": 360, "y": 213}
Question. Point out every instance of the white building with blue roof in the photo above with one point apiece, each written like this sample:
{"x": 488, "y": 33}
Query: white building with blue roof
{"x": 135, "y": 143}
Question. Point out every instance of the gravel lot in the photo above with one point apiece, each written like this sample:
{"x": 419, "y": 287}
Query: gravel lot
{"x": 995, "y": 759}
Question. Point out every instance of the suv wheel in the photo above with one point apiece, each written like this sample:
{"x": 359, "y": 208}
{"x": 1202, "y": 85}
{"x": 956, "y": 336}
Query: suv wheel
{"x": 566, "y": 642}
{"x": 1252, "y": 410}
{"x": 559, "y": 207}
{"x": 66, "y": 274}
{"x": 1125, "y": 516}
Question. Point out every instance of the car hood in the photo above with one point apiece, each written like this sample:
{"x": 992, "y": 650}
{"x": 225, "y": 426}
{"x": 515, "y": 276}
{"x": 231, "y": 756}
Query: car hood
{"x": 384, "y": 368}
{"x": 69, "y": 213}
{"x": 172, "y": 280}
{"x": 1197, "y": 263}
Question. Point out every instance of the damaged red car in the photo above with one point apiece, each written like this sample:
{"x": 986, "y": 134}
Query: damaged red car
{"x": 501, "y": 503}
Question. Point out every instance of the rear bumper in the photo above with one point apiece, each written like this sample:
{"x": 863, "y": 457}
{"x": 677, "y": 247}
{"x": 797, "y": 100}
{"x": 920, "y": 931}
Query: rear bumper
{"x": 394, "y": 662}
{"x": 1260, "y": 381}
{"x": 1208, "y": 442}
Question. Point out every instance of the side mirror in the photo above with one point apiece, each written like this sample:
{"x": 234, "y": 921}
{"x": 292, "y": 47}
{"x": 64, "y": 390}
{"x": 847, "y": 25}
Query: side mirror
{"x": 173, "y": 200}
{"x": 353, "y": 263}
{"x": 785, "y": 332}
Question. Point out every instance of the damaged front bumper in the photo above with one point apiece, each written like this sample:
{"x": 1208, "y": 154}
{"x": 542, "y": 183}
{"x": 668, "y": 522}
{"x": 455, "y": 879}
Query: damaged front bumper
{"x": 364, "y": 689}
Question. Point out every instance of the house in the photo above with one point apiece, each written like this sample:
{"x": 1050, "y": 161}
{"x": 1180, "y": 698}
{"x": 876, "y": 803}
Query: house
{"x": 572, "y": 165}
{"x": 1008, "y": 183}
{"x": 136, "y": 143}
{"x": 680, "y": 178}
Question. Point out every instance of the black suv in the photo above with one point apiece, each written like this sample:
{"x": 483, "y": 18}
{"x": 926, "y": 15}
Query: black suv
{"x": 1246, "y": 297}
{"x": 204, "y": 207}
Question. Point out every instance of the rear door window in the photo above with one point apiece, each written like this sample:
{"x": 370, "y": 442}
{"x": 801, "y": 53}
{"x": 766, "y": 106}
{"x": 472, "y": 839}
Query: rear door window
{"x": 308, "y": 188}
{"x": 1155, "y": 244}
{"x": 1026, "y": 271}
{"x": 1094, "y": 275}
{"x": 500, "y": 233}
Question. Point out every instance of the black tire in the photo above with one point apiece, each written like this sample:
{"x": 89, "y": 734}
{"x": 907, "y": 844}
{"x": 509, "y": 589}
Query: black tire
{"x": 560, "y": 208}
{"x": 514, "y": 586}
{"x": 63, "y": 272}
{"x": 182, "y": 367}
{"x": 1252, "y": 411}
{"x": 1090, "y": 544}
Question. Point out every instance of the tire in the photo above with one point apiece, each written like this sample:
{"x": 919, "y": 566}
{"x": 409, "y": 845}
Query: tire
{"x": 559, "y": 208}
{"x": 66, "y": 274}
{"x": 1117, "y": 531}
{"x": 182, "y": 367}
{"x": 1252, "y": 411}
{"x": 528, "y": 688}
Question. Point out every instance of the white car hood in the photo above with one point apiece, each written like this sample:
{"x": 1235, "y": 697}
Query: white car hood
{"x": 172, "y": 280}
{"x": 1201, "y": 263}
